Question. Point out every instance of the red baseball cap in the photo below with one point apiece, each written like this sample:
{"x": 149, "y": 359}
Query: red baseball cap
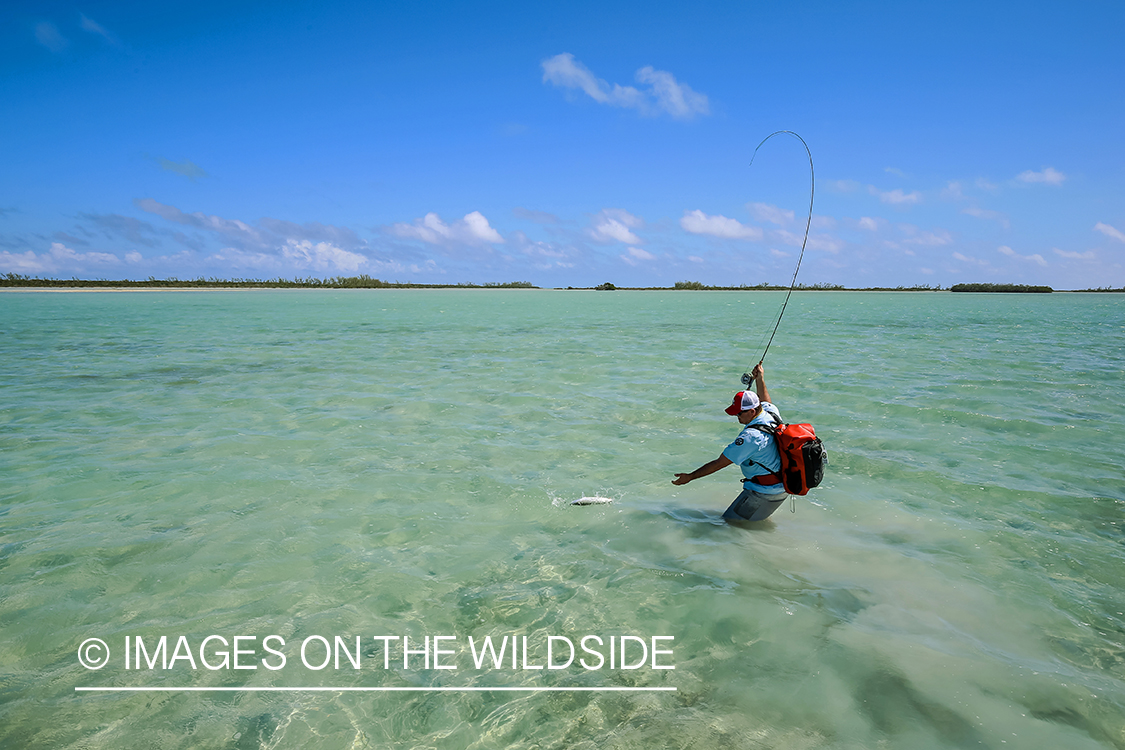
{"x": 743, "y": 401}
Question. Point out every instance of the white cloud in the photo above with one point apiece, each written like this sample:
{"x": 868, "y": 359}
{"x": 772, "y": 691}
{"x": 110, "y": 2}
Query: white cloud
{"x": 1049, "y": 176}
{"x": 825, "y": 242}
{"x": 1005, "y": 250}
{"x": 270, "y": 235}
{"x": 896, "y": 197}
{"x": 236, "y": 259}
{"x": 895, "y": 171}
{"x": 1088, "y": 255}
{"x": 1109, "y": 231}
{"x": 844, "y": 186}
{"x": 563, "y": 70}
{"x": 473, "y": 229}
{"x": 695, "y": 259}
{"x": 927, "y": 239}
{"x": 272, "y": 246}
{"x": 315, "y": 231}
{"x": 62, "y": 253}
{"x": 967, "y": 259}
{"x": 698, "y": 222}
{"x": 870, "y": 224}
{"x": 479, "y": 228}
{"x": 322, "y": 257}
{"x": 305, "y": 256}
{"x": 537, "y": 248}
{"x": 636, "y": 254}
{"x": 981, "y": 213}
{"x": 229, "y": 227}
{"x": 615, "y": 225}
{"x": 770, "y": 213}
{"x": 952, "y": 191}
{"x": 677, "y": 99}
{"x": 58, "y": 259}
{"x": 92, "y": 26}
{"x": 47, "y": 34}
{"x": 24, "y": 263}
{"x": 778, "y": 253}
{"x": 187, "y": 168}
{"x": 664, "y": 93}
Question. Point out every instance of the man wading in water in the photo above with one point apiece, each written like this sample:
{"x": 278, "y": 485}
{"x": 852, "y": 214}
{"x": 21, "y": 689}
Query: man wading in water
{"x": 755, "y": 451}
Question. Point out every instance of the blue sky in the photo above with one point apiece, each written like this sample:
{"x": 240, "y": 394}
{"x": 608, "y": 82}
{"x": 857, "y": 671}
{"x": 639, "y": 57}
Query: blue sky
{"x": 565, "y": 144}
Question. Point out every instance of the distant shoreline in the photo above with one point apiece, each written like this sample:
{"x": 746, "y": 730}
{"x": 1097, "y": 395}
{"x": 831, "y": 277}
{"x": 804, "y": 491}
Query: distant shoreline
{"x": 15, "y": 282}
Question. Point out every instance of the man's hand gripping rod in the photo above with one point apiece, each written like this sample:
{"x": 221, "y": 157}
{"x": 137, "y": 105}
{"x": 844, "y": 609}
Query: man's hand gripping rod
{"x": 748, "y": 379}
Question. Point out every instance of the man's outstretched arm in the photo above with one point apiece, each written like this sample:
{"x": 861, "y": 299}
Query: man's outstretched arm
{"x": 708, "y": 468}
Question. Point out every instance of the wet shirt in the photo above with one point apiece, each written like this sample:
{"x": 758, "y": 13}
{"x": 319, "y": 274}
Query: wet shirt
{"x": 756, "y": 452}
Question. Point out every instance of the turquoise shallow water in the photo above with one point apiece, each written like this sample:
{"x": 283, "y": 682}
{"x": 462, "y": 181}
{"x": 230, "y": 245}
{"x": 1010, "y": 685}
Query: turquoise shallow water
{"x": 376, "y": 463}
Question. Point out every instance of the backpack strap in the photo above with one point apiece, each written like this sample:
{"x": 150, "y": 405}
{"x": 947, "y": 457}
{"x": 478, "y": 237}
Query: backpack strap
{"x": 770, "y": 428}
{"x": 766, "y": 480}
{"x": 774, "y": 477}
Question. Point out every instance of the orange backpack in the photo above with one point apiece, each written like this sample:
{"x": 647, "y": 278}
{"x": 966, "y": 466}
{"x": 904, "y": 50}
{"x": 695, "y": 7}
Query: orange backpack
{"x": 803, "y": 457}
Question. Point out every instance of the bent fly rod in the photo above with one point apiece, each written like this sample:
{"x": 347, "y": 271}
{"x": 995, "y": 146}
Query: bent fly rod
{"x": 747, "y": 378}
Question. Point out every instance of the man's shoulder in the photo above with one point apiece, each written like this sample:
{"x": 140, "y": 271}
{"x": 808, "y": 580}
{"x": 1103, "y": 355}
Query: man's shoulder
{"x": 753, "y": 433}
{"x": 769, "y": 416}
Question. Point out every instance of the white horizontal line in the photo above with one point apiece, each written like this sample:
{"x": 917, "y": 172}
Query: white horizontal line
{"x": 371, "y": 689}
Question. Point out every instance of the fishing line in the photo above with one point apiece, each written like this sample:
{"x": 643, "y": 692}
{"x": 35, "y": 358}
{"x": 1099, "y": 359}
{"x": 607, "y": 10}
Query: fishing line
{"x": 747, "y": 380}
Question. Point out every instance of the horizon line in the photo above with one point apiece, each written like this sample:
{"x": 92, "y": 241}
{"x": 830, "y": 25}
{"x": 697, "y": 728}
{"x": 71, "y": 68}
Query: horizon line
{"x": 439, "y": 689}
